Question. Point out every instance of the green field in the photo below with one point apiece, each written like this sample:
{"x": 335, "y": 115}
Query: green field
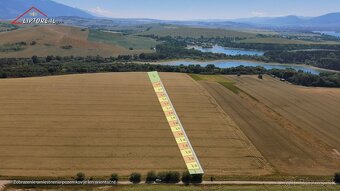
{"x": 126, "y": 41}
{"x": 219, "y": 79}
{"x": 196, "y": 32}
{"x": 178, "y": 188}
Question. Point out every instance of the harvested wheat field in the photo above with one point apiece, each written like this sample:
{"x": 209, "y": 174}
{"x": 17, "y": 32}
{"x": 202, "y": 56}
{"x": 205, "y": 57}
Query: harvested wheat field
{"x": 112, "y": 122}
{"x": 295, "y": 128}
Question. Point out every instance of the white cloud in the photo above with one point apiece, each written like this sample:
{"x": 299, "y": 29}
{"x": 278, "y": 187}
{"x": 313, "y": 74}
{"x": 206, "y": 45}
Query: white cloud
{"x": 258, "y": 13}
{"x": 101, "y": 12}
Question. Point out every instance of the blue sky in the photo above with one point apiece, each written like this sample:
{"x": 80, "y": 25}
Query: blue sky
{"x": 204, "y": 9}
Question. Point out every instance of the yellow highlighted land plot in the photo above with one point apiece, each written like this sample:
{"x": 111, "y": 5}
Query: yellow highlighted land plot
{"x": 177, "y": 129}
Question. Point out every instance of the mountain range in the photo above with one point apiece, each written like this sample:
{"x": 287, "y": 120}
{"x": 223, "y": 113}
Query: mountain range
{"x": 331, "y": 20}
{"x": 10, "y": 9}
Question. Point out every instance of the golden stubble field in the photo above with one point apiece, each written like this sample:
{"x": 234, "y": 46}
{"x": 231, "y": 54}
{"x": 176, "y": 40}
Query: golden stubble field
{"x": 112, "y": 122}
{"x": 297, "y": 129}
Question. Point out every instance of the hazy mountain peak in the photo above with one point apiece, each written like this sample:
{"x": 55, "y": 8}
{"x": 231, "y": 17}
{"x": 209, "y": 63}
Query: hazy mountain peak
{"x": 10, "y": 9}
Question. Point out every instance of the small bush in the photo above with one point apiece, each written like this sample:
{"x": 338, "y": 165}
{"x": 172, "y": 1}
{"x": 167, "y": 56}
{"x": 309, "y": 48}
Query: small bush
{"x": 196, "y": 178}
{"x": 67, "y": 47}
{"x": 35, "y": 59}
{"x": 151, "y": 177}
{"x": 114, "y": 177}
{"x": 135, "y": 177}
{"x": 13, "y": 47}
{"x": 3, "y": 75}
{"x": 171, "y": 177}
{"x": 21, "y": 43}
{"x": 161, "y": 176}
{"x": 337, "y": 178}
{"x": 80, "y": 176}
{"x": 186, "y": 177}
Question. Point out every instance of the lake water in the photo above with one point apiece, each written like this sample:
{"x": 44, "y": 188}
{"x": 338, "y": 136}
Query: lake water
{"x": 331, "y": 33}
{"x": 231, "y": 64}
{"x": 229, "y": 51}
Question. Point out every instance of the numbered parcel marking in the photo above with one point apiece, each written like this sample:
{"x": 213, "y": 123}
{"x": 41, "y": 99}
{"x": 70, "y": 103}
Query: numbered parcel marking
{"x": 177, "y": 129}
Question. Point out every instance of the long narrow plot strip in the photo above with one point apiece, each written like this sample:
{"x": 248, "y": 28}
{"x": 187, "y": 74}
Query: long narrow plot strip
{"x": 177, "y": 129}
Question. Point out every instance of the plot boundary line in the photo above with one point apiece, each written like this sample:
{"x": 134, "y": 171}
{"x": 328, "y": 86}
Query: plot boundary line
{"x": 182, "y": 140}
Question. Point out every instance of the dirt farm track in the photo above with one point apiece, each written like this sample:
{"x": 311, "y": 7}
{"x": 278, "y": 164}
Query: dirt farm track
{"x": 112, "y": 122}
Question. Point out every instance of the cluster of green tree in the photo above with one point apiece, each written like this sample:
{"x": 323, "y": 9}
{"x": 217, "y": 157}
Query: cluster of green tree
{"x": 318, "y": 58}
{"x": 232, "y": 42}
{"x": 67, "y": 47}
{"x": 80, "y": 176}
{"x": 281, "y": 47}
{"x": 307, "y": 79}
{"x": 337, "y": 178}
{"x": 323, "y": 56}
{"x": 310, "y": 38}
{"x": 329, "y": 37}
{"x": 35, "y": 66}
{"x": 168, "y": 177}
{"x": 7, "y": 27}
{"x": 197, "y": 41}
{"x": 172, "y": 48}
{"x": 164, "y": 177}
{"x": 13, "y": 47}
{"x": 175, "y": 49}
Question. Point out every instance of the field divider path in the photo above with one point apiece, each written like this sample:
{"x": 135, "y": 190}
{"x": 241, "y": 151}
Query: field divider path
{"x": 3, "y": 183}
{"x": 182, "y": 140}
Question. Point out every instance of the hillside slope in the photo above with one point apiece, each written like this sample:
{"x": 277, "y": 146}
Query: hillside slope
{"x": 57, "y": 40}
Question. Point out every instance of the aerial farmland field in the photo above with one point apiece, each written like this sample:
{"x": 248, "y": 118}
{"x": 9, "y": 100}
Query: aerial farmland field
{"x": 169, "y": 95}
{"x": 295, "y": 128}
{"x": 112, "y": 122}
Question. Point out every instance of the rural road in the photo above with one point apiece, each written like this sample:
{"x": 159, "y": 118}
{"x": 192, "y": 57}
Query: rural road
{"x": 250, "y": 183}
{"x": 3, "y": 182}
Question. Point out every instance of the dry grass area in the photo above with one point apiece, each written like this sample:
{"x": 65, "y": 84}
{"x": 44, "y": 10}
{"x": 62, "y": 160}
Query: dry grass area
{"x": 295, "y": 128}
{"x": 112, "y": 122}
{"x": 50, "y": 39}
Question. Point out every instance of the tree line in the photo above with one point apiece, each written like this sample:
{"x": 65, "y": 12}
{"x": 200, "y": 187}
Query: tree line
{"x": 51, "y": 65}
{"x": 167, "y": 177}
{"x": 320, "y": 55}
{"x": 320, "y": 58}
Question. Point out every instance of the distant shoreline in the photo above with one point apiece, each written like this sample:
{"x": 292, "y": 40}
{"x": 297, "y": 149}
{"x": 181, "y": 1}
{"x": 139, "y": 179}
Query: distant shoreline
{"x": 240, "y": 60}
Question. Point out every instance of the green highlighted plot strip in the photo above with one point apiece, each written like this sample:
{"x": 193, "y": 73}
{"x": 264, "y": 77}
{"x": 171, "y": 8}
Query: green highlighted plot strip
{"x": 177, "y": 129}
